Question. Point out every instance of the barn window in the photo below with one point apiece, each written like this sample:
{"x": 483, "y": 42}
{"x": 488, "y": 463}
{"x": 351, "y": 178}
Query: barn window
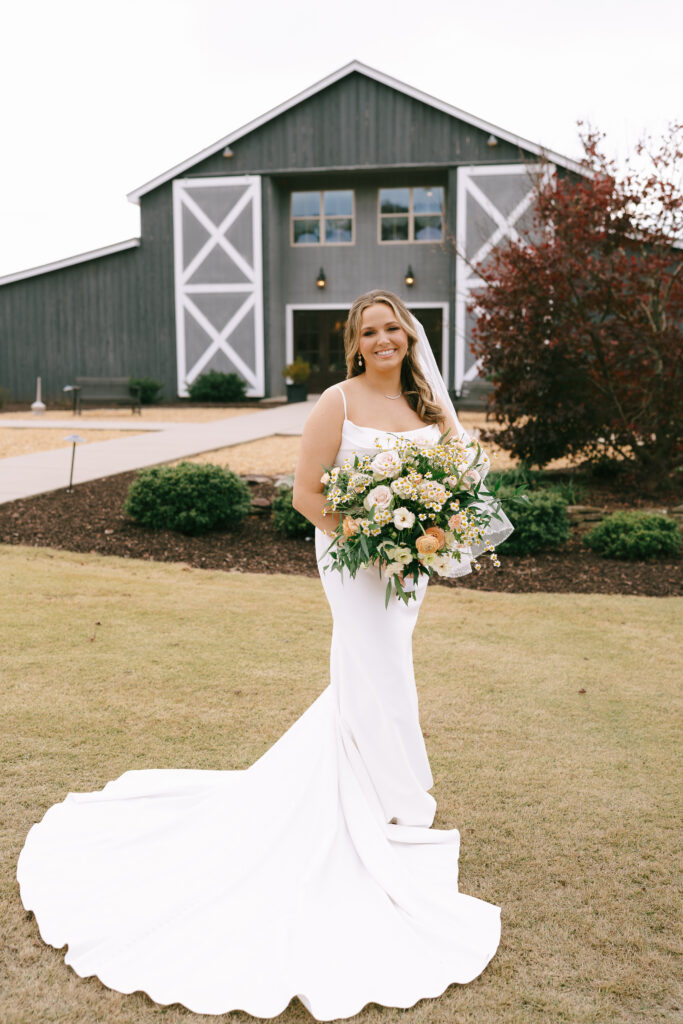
{"x": 322, "y": 218}
{"x": 411, "y": 214}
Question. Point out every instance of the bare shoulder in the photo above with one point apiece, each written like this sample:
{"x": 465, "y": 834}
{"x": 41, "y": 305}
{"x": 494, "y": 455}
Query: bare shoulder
{"x": 328, "y": 411}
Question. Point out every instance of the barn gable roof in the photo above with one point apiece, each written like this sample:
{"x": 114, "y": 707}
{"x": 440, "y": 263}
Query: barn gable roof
{"x": 71, "y": 261}
{"x": 357, "y": 67}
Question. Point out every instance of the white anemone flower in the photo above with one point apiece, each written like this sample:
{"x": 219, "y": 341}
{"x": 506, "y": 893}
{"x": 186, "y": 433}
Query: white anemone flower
{"x": 403, "y": 518}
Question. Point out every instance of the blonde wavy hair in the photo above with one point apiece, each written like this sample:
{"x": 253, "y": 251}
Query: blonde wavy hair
{"x": 413, "y": 383}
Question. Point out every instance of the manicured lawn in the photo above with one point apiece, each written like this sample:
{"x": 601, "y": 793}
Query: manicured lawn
{"x": 566, "y": 801}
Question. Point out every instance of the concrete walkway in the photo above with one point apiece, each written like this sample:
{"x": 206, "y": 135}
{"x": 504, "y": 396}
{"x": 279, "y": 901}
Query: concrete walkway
{"x": 24, "y": 475}
{"x": 71, "y": 426}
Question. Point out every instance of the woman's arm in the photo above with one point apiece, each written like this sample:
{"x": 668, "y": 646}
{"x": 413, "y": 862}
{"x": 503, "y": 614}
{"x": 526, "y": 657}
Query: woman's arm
{"x": 448, "y": 423}
{"x": 320, "y": 443}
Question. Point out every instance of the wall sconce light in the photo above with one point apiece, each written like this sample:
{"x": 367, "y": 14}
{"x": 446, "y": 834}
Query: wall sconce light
{"x": 492, "y": 141}
{"x": 227, "y": 152}
{"x": 410, "y": 277}
{"x": 321, "y": 280}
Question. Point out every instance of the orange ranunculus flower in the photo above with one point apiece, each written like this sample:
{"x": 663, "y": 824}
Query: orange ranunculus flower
{"x": 350, "y": 526}
{"x": 436, "y": 531}
{"x": 455, "y": 522}
{"x": 427, "y": 544}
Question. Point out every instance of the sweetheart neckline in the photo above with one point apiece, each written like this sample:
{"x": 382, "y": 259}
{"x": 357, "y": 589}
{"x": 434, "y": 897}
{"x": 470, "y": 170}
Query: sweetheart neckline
{"x": 379, "y": 430}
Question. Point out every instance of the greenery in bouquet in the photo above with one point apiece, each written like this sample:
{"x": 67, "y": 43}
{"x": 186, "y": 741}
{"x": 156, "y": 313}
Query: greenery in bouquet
{"x": 412, "y": 509}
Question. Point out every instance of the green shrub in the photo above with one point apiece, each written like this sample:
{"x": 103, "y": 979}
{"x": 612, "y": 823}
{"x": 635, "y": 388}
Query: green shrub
{"x": 569, "y": 488}
{"x": 634, "y": 535}
{"x": 189, "y": 498}
{"x": 286, "y": 518}
{"x": 607, "y": 469}
{"x": 217, "y": 387}
{"x": 517, "y": 475}
{"x": 149, "y": 390}
{"x": 539, "y": 525}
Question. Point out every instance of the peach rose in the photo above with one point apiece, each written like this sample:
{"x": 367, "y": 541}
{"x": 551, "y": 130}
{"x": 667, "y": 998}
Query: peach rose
{"x": 438, "y": 534}
{"x": 350, "y": 526}
{"x": 455, "y": 522}
{"x": 427, "y": 544}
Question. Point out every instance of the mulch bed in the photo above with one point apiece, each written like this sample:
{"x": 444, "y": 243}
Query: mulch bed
{"x": 89, "y": 519}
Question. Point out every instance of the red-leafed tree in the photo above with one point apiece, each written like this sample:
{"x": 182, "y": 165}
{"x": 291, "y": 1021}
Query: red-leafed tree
{"x": 581, "y": 330}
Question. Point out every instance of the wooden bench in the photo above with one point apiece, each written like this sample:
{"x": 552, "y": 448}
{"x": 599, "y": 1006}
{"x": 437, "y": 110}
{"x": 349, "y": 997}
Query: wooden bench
{"x": 473, "y": 394}
{"x": 99, "y": 390}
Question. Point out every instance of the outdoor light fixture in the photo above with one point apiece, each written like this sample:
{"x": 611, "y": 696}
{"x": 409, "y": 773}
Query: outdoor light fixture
{"x": 410, "y": 277}
{"x": 227, "y": 152}
{"x": 74, "y": 439}
{"x": 321, "y": 280}
{"x": 492, "y": 141}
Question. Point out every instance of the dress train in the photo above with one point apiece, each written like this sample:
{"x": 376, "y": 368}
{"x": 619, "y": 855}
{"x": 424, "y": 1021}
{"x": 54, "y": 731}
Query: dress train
{"x": 314, "y": 873}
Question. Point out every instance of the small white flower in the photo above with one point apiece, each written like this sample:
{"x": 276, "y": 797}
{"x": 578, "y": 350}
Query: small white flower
{"x": 359, "y": 481}
{"x": 403, "y": 486}
{"x": 325, "y": 479}
{"x": 399, "y": 554}
{"x": 393, "y": 568}
{"x": 403, "y": 518}
{"x": 443, "y": 564}
{"x": 450, "y": 539}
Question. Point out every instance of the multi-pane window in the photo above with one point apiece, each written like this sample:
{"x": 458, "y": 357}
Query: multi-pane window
{"x": 322, "y": 218}
{"x": 411, "y": 214}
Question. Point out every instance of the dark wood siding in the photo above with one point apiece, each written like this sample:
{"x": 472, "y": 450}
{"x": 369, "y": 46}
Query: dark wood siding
{"x": 91, "y": 319}
{"x": 358, "y": 122}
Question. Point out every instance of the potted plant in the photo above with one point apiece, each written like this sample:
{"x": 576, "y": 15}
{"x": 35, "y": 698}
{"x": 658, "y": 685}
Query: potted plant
{"x": 296, "y": 375}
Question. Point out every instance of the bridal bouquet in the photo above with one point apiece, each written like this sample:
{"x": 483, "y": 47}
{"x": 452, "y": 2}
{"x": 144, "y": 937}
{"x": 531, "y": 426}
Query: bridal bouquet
{"x": 409, "y": 510}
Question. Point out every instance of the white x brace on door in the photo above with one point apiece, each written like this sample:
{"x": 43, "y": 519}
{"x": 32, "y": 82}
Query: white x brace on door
{"x": 219, "y": 279}
{"x": 495, "y": 202}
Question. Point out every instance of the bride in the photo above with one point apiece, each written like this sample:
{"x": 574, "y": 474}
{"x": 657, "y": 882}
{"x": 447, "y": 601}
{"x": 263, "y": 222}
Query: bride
{"x": 314, "y": 873}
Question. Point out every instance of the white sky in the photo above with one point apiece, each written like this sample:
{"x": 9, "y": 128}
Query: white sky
{"x": 98, "y": 96}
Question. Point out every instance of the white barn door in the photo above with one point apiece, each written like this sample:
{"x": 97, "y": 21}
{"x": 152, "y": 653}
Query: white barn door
{"x": 219, "y": 279}
{"x": 495, "y": 202}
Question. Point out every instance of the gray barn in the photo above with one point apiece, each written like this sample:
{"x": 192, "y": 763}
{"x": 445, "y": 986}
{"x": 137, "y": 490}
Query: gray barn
{"x": 252, "y": 250}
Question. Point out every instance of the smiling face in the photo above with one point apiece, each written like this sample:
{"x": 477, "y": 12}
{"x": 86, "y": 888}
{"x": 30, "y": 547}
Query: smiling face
{"x": 383, "y": 342}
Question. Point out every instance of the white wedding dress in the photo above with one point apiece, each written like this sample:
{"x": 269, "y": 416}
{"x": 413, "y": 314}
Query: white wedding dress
{"x": 314, "y": 873}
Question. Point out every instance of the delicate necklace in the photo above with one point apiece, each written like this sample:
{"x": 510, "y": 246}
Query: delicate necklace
{"x": 394, "y": 396}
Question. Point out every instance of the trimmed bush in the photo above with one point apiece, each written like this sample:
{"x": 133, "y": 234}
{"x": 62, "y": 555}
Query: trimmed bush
{"x": 217, "y": 387}
{"x": 189, "y": 498}
{"x": 568, "y": 487}
{"x": 287, "y": 520}
{"x": 148, "y": 389}
{"x": 541, "y": 525}
{"x": 635, "y": 535}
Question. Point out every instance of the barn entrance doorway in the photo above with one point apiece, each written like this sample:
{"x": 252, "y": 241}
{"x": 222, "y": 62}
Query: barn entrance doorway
{"x": 318, "y": 336}
{"x": 319, "y": 339}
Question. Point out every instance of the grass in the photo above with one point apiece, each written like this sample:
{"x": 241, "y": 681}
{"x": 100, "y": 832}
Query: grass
{"x": 566, "y": 801}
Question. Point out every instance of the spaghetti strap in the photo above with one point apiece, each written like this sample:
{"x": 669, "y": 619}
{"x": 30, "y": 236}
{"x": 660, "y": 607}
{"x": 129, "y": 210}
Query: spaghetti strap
{"x": 340, "y": 389}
